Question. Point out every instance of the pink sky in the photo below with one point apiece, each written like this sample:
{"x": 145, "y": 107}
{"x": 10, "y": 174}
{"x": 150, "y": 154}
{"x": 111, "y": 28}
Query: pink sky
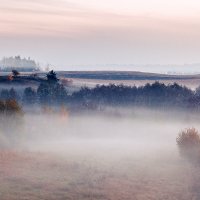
{"x": 65, "y": 32}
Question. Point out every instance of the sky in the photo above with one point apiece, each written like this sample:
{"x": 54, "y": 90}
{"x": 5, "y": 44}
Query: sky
{"x": 92, "y": 34}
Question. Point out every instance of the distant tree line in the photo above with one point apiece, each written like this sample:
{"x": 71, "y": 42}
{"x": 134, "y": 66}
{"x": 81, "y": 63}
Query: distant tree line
{"x": 53, "y": 93}
{"x": 9, "y": 94}
{"x": 150, "y": 95}
{"x": 18, "y": 63}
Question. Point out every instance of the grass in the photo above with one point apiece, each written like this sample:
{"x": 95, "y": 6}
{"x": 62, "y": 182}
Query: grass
{"x": 188, "y": 142}
{"x": 38, "y": 176}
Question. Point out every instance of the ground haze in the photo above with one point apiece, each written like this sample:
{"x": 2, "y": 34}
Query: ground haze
{"x": 121, "y": 154}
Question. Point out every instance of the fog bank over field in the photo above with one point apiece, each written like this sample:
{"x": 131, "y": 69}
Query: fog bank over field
{"x": 65, "y": 147}
{"x": 118, "y": 128}
{"x": 114, "y": 154}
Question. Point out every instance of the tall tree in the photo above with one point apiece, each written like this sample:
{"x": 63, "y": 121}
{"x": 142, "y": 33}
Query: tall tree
{"x": 52, "y": 77}
{"x": 15, "y": 72}
{"x": 4, "y": 94}
{"x": 29, "y": 96}
{"x": 13, "y": 94}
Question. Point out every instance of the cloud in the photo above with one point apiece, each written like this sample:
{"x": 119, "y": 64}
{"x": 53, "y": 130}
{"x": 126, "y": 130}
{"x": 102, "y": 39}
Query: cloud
{"x": 60, "y": 18}
{"x": 86, "y": 32}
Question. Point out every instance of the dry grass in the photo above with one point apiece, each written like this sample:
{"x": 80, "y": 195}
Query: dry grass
{"x": 188, "y": 142}
{"x": 142, "y": 167}
{"x": 39, "y": 176}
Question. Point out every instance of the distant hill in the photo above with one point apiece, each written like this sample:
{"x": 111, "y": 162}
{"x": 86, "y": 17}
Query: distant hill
{"x": 123, "y": 75}
{"x": 19, "y": 64}
{"x": 80, "y": 78}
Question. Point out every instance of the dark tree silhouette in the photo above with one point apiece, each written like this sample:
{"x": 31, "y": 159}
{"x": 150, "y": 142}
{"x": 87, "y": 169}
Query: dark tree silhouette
{"x": 9, "y": 94}
{"x": 15, "y": 72}
{"x": 52, "y": 92}
{"x": 52, "y": 77}
{"x": 4, "y": 94}
{"x": 13, "y": 94}
{"x": 29, "y": 96}
{"x": 44, "y": 93}
{"x": 60, "y": 94}
{"x": 151, "y": 95}
{"x": 2, "y": 106}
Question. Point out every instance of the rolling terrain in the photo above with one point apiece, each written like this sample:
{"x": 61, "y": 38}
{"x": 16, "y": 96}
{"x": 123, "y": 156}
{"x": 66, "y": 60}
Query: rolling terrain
{"x": 91, "y": 78}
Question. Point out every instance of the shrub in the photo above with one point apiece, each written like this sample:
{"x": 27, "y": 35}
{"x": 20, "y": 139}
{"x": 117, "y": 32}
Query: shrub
{"x": 12, "y": 107}
{"x": 11, "y": 123}
{"x": 188, "y": 142}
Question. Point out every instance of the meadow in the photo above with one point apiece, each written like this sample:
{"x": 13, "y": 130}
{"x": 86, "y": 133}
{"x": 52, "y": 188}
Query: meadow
{"x": 118, "y": 154}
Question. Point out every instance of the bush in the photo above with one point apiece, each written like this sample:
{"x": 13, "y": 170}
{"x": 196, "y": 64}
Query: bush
{"x": 188, "y": 142}
{"x": 11, "y": 123}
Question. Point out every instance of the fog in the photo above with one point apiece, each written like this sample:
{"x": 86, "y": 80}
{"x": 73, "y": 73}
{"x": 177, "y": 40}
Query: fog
{"x": 119, "y": 131}
{"x": 115, "y": 154}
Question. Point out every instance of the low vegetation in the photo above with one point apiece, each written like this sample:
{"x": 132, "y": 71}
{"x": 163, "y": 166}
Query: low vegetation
{"x": 10, "y": 107}
{"x": 11, "y": 120}
{"x": 188, "y": 142}
{"x": 52, "y": 91}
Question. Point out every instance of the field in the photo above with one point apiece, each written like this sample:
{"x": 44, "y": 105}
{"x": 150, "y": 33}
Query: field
{"x": 77, "y": 83}
{"x": 46, "y": 176}
{"x": 91, "y": 78}
{"x": 129, "y": 155}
